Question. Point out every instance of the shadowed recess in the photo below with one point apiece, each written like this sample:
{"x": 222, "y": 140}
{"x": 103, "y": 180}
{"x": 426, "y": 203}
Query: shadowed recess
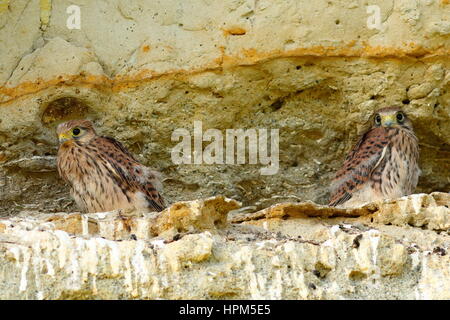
{"x": 63, "y": 109}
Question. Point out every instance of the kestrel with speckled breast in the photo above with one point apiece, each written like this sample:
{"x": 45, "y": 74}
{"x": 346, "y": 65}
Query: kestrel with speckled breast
{"x": 384, "y": 163}
{"x": 102, "y": 173}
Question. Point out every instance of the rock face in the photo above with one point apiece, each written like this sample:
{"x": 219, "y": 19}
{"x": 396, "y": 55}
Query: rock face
{"x": 142, "y": 70}
{"x": 288, "y": 251}
{"x": 314, "y": 70}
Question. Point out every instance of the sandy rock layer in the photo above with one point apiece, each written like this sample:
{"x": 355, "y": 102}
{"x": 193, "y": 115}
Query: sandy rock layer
{"x": 142, "y": 70}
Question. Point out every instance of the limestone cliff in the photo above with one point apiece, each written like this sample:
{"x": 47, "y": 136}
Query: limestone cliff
{"x": 315, "y": 70}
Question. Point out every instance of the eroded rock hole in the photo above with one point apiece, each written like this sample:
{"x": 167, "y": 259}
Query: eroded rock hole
{"x": 356, "y": 275}
{"x": 62, "y": 109}
{"x": 277, "y": 104}
{"x": 321, "y": 270}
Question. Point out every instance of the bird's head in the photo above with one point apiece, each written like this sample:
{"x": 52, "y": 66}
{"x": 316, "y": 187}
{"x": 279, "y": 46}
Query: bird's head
{"x": 75, "y": 130}
{"x": 391, "y": 117}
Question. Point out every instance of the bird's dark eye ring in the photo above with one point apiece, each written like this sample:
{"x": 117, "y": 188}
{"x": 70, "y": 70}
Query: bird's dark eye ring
{"x": 400, "y": 117}
{"x": 76, "y": 131}
{"x": 377, "y": 119}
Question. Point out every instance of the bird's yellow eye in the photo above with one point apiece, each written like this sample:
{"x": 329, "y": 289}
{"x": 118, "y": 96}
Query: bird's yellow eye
{"x": 377, "y": 119}
{"x": 400, "y": 117}
{"x": 76, "y": 132}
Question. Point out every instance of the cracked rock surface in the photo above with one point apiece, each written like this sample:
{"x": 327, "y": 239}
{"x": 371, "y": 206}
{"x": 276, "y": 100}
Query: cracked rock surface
{"x": 289, "y": 251}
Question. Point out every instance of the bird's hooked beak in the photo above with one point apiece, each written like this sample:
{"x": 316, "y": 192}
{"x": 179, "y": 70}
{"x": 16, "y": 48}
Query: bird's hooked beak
{"x": 63, "y": 137}
{"x": 388, "y": 121}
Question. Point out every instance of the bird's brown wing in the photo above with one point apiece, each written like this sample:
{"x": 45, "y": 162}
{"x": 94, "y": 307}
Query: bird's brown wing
{"x": 131, "y": 174}
{"x": 368, "y": 153}
{"x": 120, "y": 146}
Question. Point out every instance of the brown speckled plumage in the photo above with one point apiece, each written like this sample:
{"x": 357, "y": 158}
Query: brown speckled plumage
{"x": 103, "y": 175}
{"x": 382, "y": 165}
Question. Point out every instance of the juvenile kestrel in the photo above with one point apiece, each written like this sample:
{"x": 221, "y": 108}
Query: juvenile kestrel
{"x": 382, "y": 165}
{"x": 103, "y": 175}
